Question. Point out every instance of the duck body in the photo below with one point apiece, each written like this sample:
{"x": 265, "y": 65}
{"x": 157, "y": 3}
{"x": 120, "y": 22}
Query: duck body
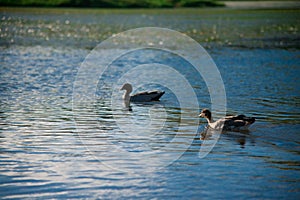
{"x": 147, "y": 96}
{"x": 229, "y": 123}
{"x": 142, "y": 96}
{"x": 238, "y": 122}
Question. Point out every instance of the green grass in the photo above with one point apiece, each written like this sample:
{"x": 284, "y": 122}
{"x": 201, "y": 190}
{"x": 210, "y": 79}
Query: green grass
{"x": 112, "y": 3}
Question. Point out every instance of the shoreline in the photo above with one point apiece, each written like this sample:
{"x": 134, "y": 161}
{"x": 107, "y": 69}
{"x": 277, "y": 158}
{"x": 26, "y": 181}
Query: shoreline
{"x": 262, "y": 4}
{"x": 271, "y": 4}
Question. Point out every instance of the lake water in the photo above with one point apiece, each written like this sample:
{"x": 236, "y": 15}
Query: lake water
{"x": 49, "y": 149}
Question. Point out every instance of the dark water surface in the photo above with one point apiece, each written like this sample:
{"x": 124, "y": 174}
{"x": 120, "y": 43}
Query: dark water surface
{"x": 49, "y": 150}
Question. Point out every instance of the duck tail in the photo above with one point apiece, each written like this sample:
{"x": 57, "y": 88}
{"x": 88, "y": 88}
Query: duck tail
{"x": 156, "y": 98}
{"x": 250, "y": 120}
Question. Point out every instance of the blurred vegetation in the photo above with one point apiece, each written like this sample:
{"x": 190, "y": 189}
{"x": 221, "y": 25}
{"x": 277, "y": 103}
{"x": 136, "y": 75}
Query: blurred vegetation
{"x": 112, "y": 3}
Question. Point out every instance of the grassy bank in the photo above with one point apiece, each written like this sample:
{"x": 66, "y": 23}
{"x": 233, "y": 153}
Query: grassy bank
{"x": 112, "y": 3}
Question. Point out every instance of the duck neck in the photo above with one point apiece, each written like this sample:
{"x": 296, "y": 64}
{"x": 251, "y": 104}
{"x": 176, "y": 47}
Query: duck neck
{"x": 209, "y": 120}
{"x": 126, "y": 96}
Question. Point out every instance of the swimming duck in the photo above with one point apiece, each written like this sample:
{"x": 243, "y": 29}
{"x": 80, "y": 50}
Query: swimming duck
{"x": 142, "y": 96}
{"x": 229, "y": 123}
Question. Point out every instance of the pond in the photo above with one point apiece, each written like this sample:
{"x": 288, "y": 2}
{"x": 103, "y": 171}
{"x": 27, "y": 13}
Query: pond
{"x": 51, "y": 149}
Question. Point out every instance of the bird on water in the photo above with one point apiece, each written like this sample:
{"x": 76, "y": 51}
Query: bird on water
{"x": 142, "y": 96}
{"x": 228, "y": 123}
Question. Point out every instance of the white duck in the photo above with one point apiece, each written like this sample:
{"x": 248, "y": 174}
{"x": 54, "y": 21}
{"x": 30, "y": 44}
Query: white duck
{"x": 140, "y": 97}
{"x": 229, "y": 123}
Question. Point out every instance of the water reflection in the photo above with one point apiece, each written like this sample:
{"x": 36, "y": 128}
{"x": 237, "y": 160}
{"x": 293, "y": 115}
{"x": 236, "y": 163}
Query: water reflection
{"x": 241, "y": 137}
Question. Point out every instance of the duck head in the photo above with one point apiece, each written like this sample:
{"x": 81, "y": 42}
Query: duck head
{"x": 127, "y": 87}
{"x": 205, "y": 113}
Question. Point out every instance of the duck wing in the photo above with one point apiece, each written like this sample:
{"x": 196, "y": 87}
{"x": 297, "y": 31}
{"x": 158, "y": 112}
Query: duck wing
{"x": 236, "y": 117}
{"x": 238, "y": 121}
{"x": 147, "y": 96}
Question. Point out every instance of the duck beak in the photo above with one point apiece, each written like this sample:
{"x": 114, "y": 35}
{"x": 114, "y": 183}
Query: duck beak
{"x": 201, "y": 115}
